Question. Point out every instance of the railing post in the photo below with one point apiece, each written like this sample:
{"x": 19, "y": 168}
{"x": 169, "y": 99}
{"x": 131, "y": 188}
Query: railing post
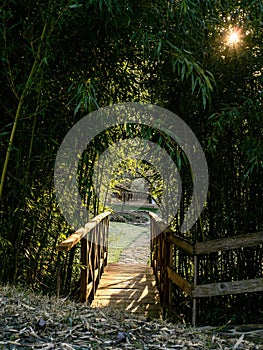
{"x": 151, "y": 243}
{"x": 58, "y": 274}
{"x": 84, "y": 270}
{"x": 92, "y": 264}
{"x": 105, "y": 242}
{"x": 167, "y": 281}
{"x": 161, "y": 265}
{"x": 195, "y": 283}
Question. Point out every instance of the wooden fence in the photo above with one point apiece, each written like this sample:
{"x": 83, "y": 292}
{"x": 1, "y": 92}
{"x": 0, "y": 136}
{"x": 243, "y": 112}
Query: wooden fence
{"x": 163, "y": 243}
{"x": 94, "y": 249}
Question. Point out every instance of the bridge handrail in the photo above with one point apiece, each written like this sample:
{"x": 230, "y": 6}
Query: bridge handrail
{"x": 75, "y": 237}
{"x": 94, "y": 252}
{"x": 161, "y": 262}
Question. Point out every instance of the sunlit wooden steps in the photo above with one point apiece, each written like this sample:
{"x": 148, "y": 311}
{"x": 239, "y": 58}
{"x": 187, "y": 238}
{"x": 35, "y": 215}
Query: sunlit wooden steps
{"x": 129, "y": 287}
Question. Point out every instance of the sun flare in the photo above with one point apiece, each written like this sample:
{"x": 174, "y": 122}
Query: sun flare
{"x": 234, "y": 37}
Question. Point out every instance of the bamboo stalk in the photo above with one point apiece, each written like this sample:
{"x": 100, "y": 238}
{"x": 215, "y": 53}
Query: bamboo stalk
{"x": 27, "y": 87}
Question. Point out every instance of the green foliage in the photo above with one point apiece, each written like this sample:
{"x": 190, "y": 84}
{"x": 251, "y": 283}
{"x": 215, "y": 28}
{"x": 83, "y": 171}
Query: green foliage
{"x": 63, "y": 59}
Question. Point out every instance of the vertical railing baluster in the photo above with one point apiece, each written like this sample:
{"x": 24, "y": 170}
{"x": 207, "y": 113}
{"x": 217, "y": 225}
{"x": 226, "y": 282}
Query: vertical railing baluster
{"x": 84, "y": 271}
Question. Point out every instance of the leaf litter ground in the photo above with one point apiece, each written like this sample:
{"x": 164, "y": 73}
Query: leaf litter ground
{"x": 31, "y": 321}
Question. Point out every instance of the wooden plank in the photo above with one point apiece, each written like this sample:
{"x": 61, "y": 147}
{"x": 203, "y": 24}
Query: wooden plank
{"x": 125, "y": 276}
{"x": 224, "y": 288}
{"x": 222, "y": 244}
{"x": 73, "y": 239}
{"x": 126, "y": 293}
{"x": 126, "y": 268}
{"x": 125, "y": 304}
{"x": 181, "y": 243}
{"x": 123, "y": 285}
{"x": 99, "y": 218}
{"x": 179, "y": 281}
{"x": 145, "y": 309}
{"x": 128, "y": 303}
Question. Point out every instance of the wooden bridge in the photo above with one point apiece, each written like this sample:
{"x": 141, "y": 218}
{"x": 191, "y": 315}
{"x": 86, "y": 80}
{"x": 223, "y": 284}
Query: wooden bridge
{"x": 129, "y": 287}
{"x": 174, "y": 264}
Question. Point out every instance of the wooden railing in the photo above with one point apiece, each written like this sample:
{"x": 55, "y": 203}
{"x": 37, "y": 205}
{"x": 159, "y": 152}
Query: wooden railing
{"x": 94, "y": 249}
{"x": 163, "y": 243}
{"x": 126, "y": 194}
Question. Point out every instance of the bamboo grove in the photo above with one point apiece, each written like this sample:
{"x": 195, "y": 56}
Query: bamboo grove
{"x": 64, "y": 59}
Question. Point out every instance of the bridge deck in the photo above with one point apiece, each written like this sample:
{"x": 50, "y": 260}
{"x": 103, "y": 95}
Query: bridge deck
{"x": 129, "y": 287}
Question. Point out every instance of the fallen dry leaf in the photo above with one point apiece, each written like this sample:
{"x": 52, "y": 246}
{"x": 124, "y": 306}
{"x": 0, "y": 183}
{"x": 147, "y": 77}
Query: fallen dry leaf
{"x": 30, "y": 321}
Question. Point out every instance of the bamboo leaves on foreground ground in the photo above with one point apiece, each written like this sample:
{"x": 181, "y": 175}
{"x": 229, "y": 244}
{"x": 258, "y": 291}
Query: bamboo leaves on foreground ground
{"x": 36, "y": 321}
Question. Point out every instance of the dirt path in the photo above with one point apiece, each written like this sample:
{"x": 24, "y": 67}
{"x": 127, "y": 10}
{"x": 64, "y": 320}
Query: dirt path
{"x": 138, "y": 251}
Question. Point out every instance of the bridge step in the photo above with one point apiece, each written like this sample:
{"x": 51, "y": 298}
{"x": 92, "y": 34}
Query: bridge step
{"x": 129, "y": 287}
